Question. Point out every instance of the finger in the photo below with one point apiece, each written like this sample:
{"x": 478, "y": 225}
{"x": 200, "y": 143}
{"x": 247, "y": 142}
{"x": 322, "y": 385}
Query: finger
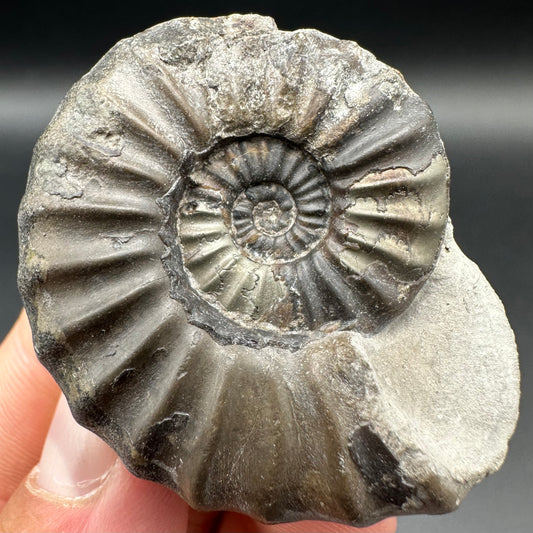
{"x": 80, "y": 485}
{"x": 203, "y": 521}
{"x": 237, "y": 523}
{"x": 28, "y": 396}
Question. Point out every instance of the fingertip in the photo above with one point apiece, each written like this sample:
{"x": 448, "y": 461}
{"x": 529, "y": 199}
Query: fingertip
{"x": 31, "y": 508}
{"x": 122, "y": 503}
{"x": 385, "y": 526}
{"x": 23, "y": 332}
{"x": 74, "y": 460}
{"x": 130, "y": 504}
{"x": 237, "y": 523}
{"x": 28, "y": 395}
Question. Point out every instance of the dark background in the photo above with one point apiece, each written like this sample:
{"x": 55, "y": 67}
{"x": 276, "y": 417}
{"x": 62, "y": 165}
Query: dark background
{"x": 473, "y": 65}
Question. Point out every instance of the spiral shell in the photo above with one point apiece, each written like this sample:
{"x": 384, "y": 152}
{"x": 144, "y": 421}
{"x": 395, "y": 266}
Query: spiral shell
{"x": 216, "y": 190}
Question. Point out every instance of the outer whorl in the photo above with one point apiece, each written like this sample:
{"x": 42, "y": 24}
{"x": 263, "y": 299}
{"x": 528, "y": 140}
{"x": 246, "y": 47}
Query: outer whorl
{"x": 217, "y": 214}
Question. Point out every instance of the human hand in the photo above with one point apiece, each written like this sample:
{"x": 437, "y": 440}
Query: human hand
{"x": 57, "y": 476}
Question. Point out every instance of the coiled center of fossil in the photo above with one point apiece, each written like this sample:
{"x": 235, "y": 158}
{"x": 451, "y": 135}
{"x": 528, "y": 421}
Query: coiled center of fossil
{"x": 260, "y": 219}
{"x": 270, "y": 218}
{"x": 266, "y": 209}
{"x": 260, "y": 199}
{"x": 273, "y": 217}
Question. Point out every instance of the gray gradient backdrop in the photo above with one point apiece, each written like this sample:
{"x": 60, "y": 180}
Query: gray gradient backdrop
{"x": 480, "y": 87}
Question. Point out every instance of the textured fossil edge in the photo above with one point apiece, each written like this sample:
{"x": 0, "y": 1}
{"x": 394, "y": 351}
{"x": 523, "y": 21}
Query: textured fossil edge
{"x": 408, "y": 440}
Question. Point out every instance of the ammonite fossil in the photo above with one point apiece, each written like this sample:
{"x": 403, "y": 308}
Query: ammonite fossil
{"x": 231, "y": 260}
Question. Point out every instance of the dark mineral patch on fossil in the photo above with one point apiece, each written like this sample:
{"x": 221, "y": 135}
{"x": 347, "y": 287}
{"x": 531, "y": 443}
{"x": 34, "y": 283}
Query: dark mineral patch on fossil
{"x": 379, "y": 467}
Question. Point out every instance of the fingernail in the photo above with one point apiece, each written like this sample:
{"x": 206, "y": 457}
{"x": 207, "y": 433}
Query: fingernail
{"x": 74, "y": 462}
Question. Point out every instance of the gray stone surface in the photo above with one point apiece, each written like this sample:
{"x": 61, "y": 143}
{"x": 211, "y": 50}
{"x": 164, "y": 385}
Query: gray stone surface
{"x": 348, "y": 382}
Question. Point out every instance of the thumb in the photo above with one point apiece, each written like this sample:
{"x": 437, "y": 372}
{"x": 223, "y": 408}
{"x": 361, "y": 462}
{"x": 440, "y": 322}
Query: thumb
{"x": 80, "y": 485}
